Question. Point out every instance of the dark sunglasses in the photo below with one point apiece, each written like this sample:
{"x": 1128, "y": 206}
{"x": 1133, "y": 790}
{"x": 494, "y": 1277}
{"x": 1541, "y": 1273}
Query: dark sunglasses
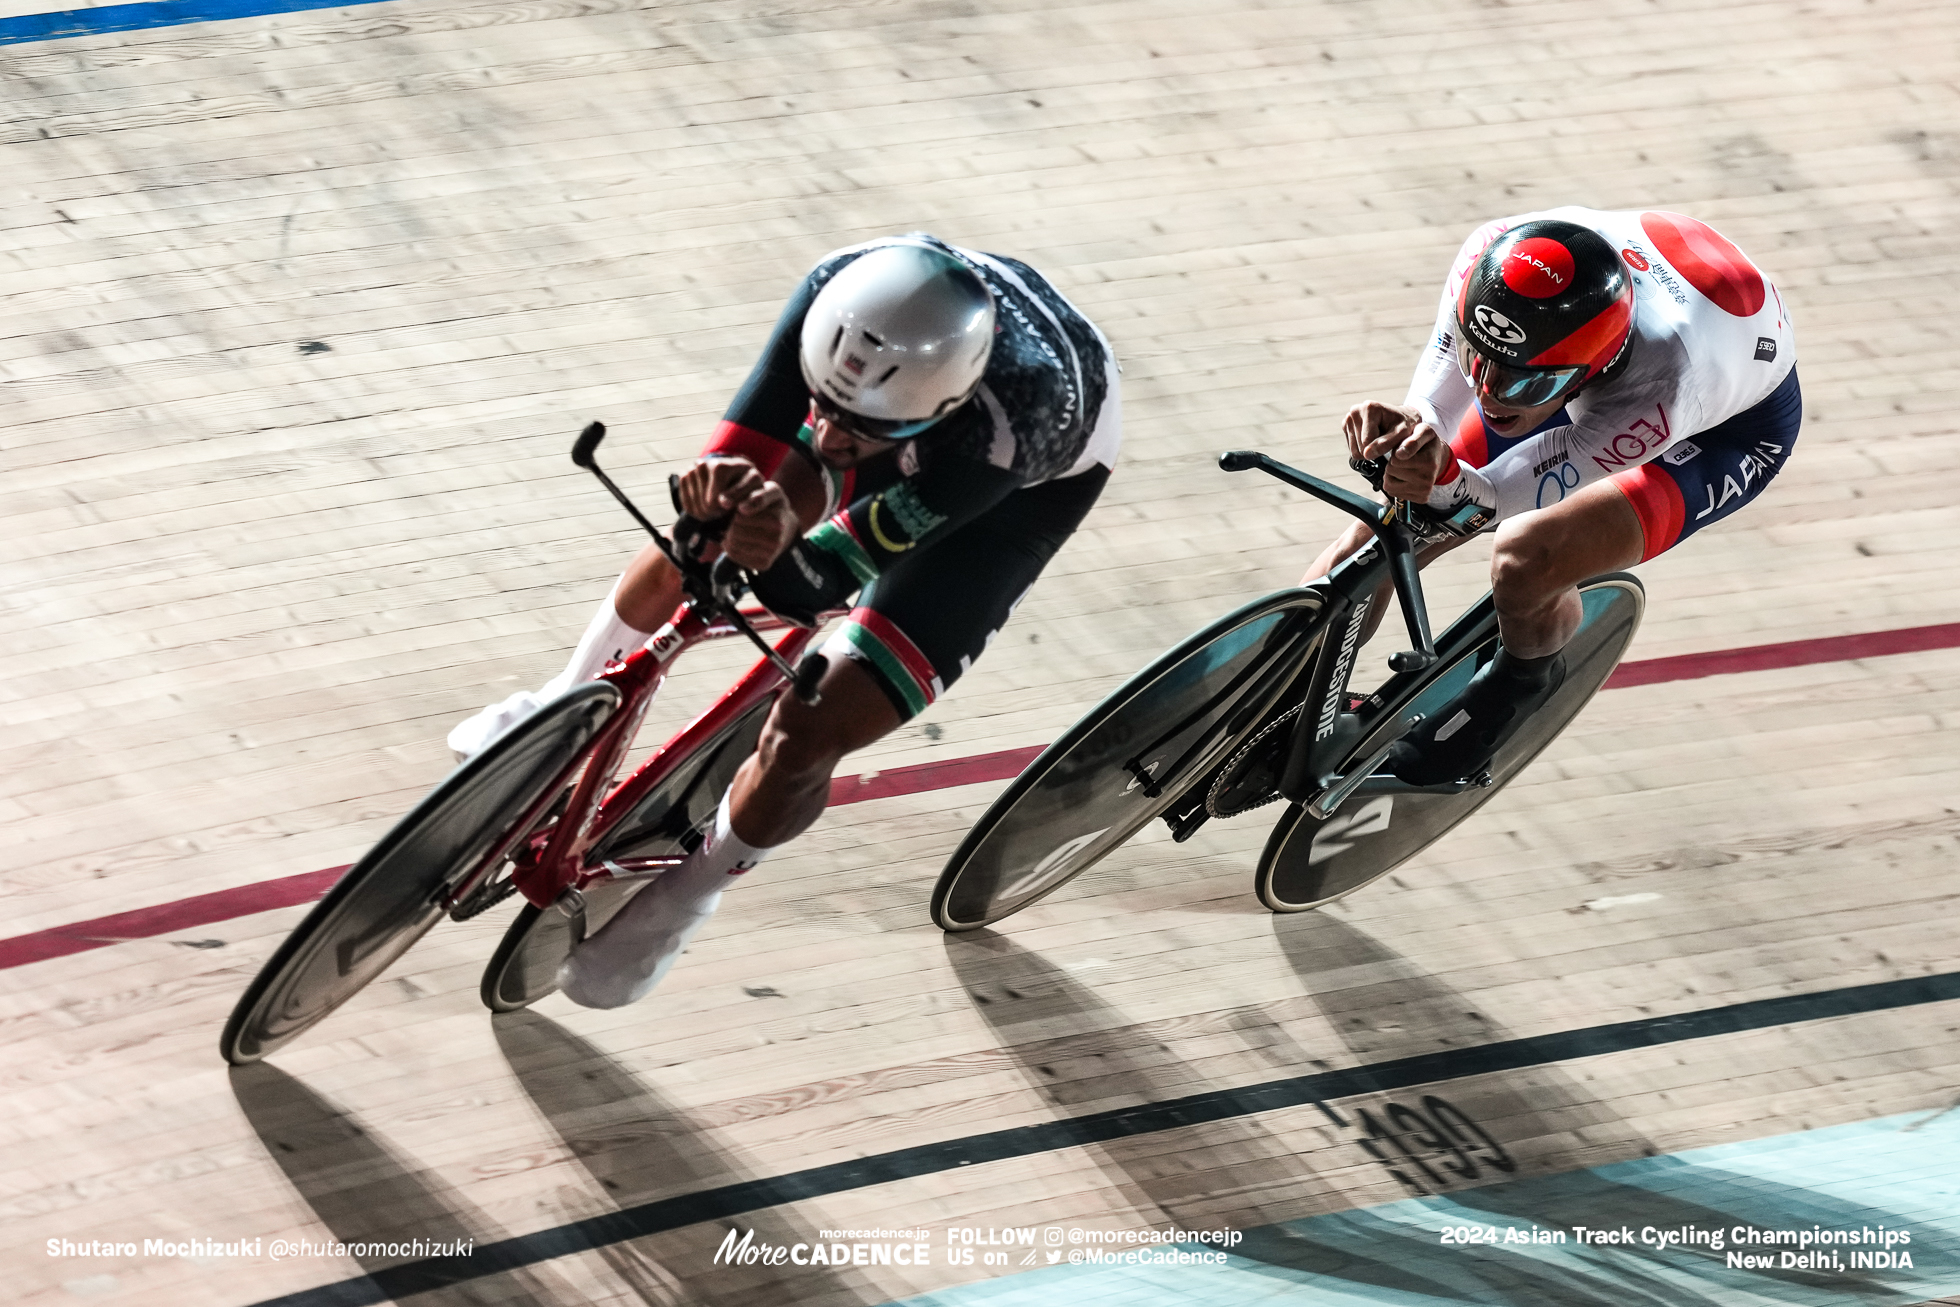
{"x": 883, "y": 430}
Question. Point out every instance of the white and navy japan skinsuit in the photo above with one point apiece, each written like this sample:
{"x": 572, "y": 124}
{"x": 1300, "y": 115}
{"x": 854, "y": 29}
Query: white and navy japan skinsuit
{"x": 1701, "y": 415}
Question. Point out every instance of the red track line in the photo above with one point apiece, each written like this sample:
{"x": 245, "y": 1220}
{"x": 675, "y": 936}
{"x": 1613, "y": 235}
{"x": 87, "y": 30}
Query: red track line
{"x": 291, "y": 891}
{"x": 184, "y": 914}
{"x": 1792, "y": 653}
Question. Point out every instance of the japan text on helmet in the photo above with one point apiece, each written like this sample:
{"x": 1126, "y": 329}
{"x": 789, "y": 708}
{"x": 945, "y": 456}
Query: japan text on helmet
{"x": 896, "y": 340}
{"x": 1547, "y": 308}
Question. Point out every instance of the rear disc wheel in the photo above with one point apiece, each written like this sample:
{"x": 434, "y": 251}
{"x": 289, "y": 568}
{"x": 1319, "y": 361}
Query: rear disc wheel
{"x": 1310, "y": 862}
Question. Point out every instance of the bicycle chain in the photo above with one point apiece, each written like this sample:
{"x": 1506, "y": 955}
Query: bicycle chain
{"x": 485, "y": 898}
{"x": 1229, "y": 772}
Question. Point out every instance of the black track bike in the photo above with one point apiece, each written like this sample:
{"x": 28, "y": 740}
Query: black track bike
{"x": 1256, "y": 708}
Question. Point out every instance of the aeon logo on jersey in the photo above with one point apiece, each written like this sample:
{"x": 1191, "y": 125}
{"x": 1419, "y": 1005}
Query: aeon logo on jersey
{"x": 1498, "y": 327}
{"x": 1632, "y": 445}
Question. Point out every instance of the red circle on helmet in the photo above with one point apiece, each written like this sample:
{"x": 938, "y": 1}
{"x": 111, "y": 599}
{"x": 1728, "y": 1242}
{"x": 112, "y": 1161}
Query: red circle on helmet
{"x": 1538, "y": 267}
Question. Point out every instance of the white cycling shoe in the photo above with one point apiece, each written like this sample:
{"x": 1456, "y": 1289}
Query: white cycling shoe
{"x": 475, "y": 734}
{"x": 628, "y": 959}
{"x": 634, "y": 951}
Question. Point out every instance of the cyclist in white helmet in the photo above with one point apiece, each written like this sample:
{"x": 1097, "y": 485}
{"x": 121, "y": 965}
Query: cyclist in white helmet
{"x": 926, "y": 426}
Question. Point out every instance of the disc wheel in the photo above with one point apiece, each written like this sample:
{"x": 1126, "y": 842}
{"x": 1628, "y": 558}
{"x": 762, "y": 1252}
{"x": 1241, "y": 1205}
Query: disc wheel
{"x": 667, "y": 821}
{"x": 405, "y": 884}
{"x": 1128, "y": 760}
{"x": 1309, "y": 862}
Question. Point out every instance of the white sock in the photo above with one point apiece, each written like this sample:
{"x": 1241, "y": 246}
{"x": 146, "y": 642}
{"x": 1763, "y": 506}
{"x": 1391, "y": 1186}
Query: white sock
{"x": 608, "y": 638}
{"x": 627, "y": 958}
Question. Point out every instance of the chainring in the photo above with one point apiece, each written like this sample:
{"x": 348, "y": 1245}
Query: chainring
{"x": 1250, "y": 779}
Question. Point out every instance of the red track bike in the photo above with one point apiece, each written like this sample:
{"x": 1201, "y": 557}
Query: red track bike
{"x": 537, "y": 814}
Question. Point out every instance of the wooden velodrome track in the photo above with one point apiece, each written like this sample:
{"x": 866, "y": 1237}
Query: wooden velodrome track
{"x": 301, "y": 313}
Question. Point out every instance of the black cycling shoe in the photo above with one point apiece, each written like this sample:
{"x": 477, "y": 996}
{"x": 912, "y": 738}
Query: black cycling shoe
{"x": 1466, "y": 733}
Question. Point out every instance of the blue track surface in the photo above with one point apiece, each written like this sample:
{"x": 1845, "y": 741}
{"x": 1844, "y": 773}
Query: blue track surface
{"x": 141, "y": 17}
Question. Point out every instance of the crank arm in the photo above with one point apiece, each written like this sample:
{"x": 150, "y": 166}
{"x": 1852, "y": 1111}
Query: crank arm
{"x": 640, "y": 868}
{"x": 1341, "y": 788}
{"x": 1396, "y": 785}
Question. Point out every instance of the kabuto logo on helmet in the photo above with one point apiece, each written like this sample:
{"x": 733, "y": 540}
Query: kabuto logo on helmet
{"x": 1497, "y": 326}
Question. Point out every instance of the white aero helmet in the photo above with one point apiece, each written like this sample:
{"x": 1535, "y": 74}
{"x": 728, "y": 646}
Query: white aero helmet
{"x": 896, "y": 340}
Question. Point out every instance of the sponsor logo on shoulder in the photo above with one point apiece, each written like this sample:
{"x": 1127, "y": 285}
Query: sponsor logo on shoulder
{"x": 1635, "y": 257}
{"x": 1681, "y": 453}
{"x": 1765, "y": 349}
{"x": 1637, "y": 442}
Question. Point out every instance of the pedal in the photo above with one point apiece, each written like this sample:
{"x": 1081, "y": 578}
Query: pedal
{"x": 1341, "y": 788}
{"x": 1185, "y": 820}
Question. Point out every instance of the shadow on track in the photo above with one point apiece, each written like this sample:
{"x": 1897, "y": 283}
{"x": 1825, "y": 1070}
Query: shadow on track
{"x": 640, "y": 1148}
{"x": 363, "y": 1193}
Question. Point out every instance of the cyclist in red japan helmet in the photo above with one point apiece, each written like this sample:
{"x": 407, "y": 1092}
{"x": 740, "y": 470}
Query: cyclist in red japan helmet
{"x": 926, "y": 426}
{"x": 1599, "y": 387}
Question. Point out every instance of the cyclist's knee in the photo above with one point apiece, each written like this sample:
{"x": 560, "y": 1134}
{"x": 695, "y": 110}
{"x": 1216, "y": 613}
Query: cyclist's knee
{"x": 1523, "y": 564}
{"x": 1519, "y": 555}
{"x": 649, "y": 590}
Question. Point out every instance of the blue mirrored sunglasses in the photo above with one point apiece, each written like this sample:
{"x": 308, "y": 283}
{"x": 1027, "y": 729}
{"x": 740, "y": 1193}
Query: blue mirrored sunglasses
{"x": 1515, "y": 387}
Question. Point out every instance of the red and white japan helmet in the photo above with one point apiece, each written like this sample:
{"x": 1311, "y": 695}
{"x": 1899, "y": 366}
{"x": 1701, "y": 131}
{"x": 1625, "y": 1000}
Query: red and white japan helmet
{"x": 1546, "y": 309}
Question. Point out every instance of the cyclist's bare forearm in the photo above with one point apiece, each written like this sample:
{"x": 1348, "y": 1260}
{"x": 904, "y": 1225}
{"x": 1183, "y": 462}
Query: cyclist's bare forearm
{"x": 650, "y": 588}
